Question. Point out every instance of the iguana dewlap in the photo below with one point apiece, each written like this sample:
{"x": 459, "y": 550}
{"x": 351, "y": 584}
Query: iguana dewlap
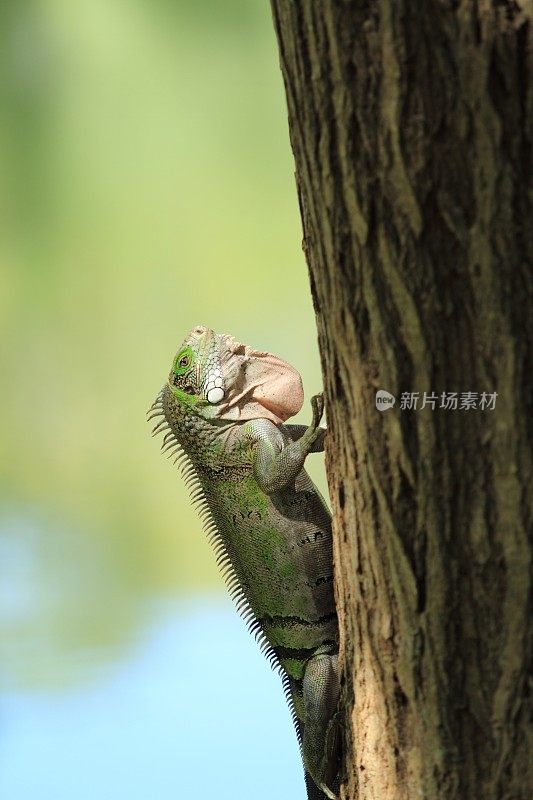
{"x": 224, "y": 407}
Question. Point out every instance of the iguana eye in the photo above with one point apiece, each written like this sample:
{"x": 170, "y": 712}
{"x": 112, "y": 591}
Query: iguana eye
{"x": 183, "y": 361}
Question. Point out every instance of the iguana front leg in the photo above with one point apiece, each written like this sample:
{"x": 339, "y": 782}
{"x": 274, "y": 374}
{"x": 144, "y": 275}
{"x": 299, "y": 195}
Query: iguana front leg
{"x": 297, "y": 431}
{"x": 277, "y": 464}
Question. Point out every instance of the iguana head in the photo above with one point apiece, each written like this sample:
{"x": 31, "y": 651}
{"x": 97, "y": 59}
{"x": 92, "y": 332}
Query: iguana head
{"x": 219, "y": 378}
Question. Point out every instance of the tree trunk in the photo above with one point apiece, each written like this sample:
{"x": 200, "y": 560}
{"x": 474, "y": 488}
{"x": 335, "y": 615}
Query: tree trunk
{"x": 411, "y": 128}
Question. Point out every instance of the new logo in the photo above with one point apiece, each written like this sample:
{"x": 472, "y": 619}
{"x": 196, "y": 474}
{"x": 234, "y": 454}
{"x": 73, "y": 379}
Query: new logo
{"x": 384, "y": 400}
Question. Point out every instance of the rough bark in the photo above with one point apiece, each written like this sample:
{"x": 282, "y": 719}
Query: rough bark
{"x": 411, "y": 129}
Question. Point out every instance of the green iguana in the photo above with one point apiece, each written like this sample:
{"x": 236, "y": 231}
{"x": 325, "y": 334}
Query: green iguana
{"x": 223, "y": 411}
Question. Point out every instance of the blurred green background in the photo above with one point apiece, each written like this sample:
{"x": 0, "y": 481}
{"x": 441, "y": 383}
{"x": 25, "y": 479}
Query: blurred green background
{"x": 147, "y": 187}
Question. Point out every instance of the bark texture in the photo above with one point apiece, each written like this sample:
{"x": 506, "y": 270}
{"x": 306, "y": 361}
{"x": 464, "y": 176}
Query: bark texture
{"x": 411, "y": 127}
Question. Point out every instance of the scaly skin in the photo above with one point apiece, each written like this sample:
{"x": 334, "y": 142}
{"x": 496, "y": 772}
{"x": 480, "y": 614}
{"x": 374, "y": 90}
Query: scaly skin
{"x": 269, "y": 525}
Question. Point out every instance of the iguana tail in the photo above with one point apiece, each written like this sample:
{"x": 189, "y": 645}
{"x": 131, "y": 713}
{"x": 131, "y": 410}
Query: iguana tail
{"x": 313, "y": 792}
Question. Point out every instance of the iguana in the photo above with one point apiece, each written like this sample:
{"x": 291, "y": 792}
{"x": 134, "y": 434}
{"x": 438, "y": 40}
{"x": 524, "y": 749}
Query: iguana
{"x": 223, "y": 412}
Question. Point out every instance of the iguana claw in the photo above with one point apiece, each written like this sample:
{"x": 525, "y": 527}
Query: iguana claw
{"x": 317, "y": 404}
